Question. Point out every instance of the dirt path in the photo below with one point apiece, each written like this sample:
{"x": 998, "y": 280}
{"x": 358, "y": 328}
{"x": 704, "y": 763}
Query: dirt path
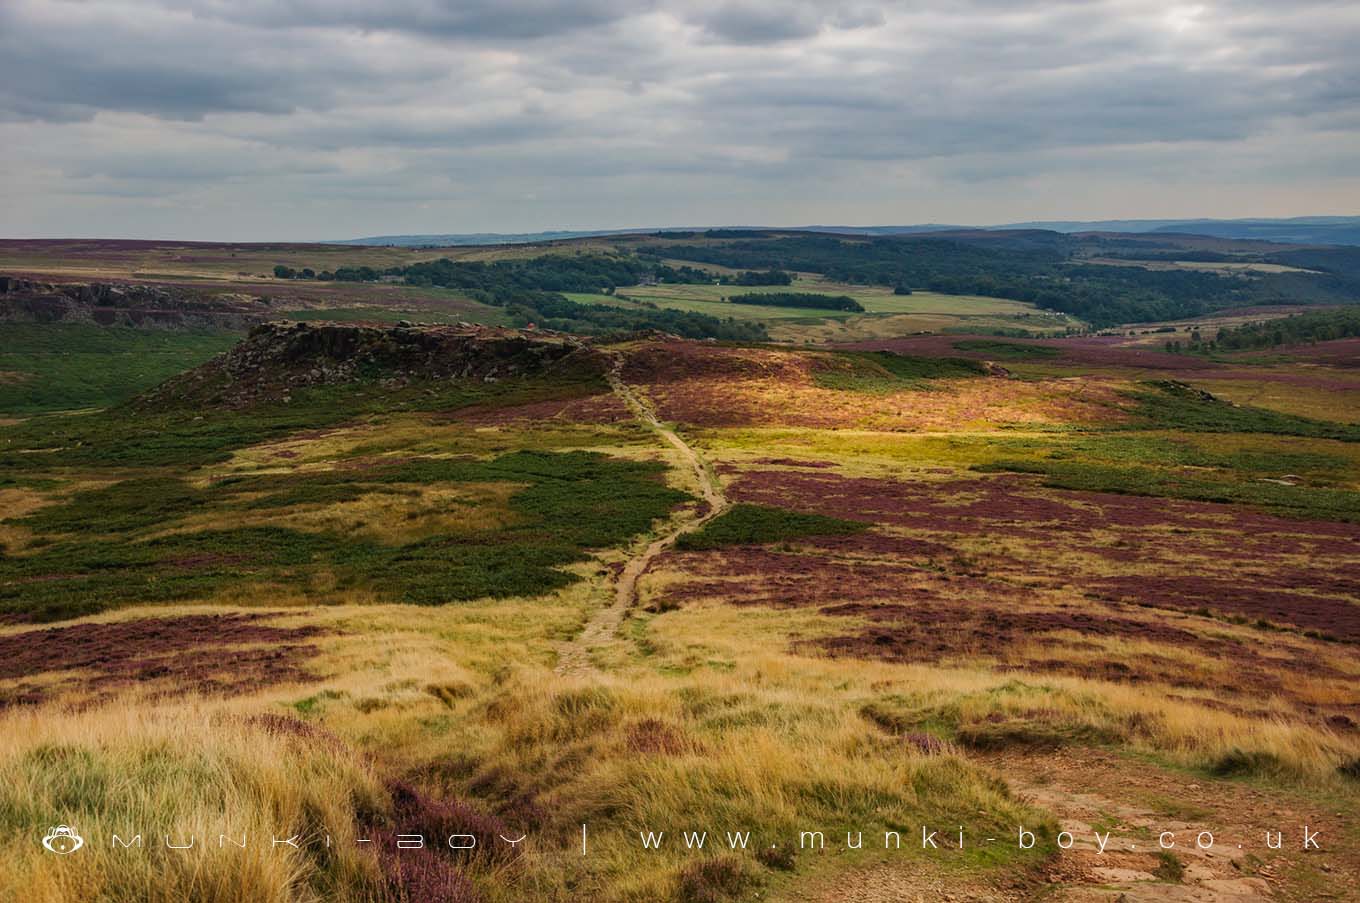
{"x": 1136, "y": 801}
{"x": 1130, "y": 804}
{"x": 574, "y": 657}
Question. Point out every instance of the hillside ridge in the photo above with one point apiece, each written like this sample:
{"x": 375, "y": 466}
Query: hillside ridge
{"x": 277, "y": 358}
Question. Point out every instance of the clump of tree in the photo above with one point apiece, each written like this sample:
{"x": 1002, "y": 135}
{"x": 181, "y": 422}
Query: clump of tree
{"x": 1314, "y": 326}
{"x": 592, "y": 273}
{"x": 552, "y": 311}
{"x": 287, "y": 272}
{"x": 799, "y": 299}
{"x": 358, "y": 274}
{"x": 758, "y": 277}
{"x": 681, "y": 275}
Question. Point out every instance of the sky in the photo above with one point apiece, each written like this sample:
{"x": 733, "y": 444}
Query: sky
{"x": 264, "y": 120}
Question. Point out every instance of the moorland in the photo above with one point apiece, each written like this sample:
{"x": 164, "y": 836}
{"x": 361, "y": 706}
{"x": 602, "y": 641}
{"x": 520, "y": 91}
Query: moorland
{"x": 1056, "y": 532}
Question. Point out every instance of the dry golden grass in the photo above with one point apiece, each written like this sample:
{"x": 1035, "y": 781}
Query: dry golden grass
{"x": 751, "y": 646}
{"x": 1316, "y": 401}
{"x": 703, "y": 720}
{"x": 401, "y": 513}
{"x": 16, "y": 503}
{"x": 180, "y": 770}
{"x": 948, "y": 406}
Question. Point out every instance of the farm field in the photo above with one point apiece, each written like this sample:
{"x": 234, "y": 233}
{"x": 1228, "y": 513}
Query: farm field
{"x": 78, "y": 259}
{"x": 886, "y": 313}
{"x": 950, "y": 581}
{"x": 1208, "y": 266}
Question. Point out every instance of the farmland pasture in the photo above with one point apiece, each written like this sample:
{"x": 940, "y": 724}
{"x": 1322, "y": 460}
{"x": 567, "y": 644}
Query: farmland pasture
{"x": 887, "y": 314}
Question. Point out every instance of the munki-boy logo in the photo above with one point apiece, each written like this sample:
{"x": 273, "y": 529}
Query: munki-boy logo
{"x": 62, "y": 839}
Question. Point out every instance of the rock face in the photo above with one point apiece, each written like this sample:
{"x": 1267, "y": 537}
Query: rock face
{"x": 277, "y": 359}
{"x": 109, "y": 304}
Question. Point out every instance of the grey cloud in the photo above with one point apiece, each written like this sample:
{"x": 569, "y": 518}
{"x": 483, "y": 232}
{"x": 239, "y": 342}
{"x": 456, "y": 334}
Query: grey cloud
{"x": 71, "y": 67}
{"x": 765, "y": 21}
{"x": 462, "y": 19}
{"x": 312, "y": 108}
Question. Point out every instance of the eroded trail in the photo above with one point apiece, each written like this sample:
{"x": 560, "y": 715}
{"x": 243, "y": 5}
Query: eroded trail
{"x": 574, "y": 657}
{"x": 1117, "y": 810}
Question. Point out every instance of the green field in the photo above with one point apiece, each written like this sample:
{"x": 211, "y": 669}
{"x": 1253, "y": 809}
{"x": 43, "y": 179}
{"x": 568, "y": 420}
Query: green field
{"x": 919, "y": 311}
{"x": 64, "y": 366}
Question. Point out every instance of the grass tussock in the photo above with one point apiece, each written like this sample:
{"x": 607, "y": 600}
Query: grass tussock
{"x": 182, "y": 771}
{"x": 1027, "y": 715}
{"x": 709, "y": 753}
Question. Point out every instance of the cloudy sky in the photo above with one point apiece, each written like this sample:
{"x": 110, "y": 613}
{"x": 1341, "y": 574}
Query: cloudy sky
{"x": 315, "y": 119}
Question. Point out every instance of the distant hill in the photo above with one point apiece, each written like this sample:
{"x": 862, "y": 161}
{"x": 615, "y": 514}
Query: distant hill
{"x": 454, "y": 239}
{"x": 1306, "y": 230}
{"x": 1338, "y": 230}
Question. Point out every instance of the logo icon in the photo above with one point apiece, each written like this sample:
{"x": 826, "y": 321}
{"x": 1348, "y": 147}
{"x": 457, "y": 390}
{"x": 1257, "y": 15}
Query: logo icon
{"x": 62, "y": 840}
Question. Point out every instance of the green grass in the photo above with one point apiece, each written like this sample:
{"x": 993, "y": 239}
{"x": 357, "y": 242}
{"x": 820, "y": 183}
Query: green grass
{"x": 1296, "y": 501}
{"x": 813, "y": 300}
{"x": 745, "y": 524}
{"x": 884, "y": 371}
{"x": 66, "y": 366}
{"x": 1247, "y": 456}
{"x": 130, "y": 436}
{"x": 98, "y": 548}
{"x": 1006, "y": 351}
{"x": 1169, "y": 868}
{"x": 875, "y": 300}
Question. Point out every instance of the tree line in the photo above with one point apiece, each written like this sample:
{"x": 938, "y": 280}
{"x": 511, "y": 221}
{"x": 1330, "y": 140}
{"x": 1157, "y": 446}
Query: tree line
{"x": 799, "y": 299}
{"x": 1297, "y": 329}
{"x": 1044, "y": 274}
{"x": 530, "y": 289}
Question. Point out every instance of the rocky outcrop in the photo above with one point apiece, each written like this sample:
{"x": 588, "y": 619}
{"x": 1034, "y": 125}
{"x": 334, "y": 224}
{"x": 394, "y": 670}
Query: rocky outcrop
{"x": 113, "y": 304}
{"x": 278, "y": 359}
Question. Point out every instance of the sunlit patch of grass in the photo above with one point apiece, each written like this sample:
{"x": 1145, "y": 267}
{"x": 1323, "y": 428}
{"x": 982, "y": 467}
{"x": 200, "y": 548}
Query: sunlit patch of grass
{"x": 19, "y": 502}
{"x": 972, "y": 703}
{"x": 748, "y": 761}
{"x": 1317, "y": 402}
{"x": 408, "y": 513}
{"x": 426, "y": 435}
{"x": 882, "y": 371}
{"x": 1167, "y": 404}
{"x": 1289, "y": 475}
{"x": 1007, "y": 351}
